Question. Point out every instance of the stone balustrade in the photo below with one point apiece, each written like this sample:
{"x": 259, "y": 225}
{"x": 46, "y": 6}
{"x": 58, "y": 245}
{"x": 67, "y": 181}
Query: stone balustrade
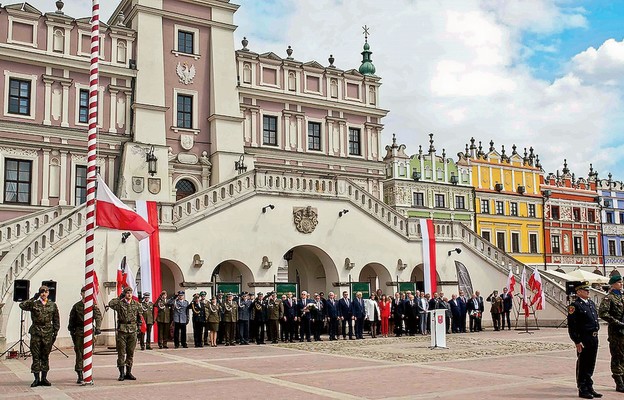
{"x": 14, "y": 230}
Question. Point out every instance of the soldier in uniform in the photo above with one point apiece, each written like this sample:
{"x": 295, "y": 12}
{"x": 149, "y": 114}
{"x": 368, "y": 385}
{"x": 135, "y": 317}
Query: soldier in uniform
{"x": 244, "y": 313}
{"x": 163, "y": 319}
{"x": 76, "y": 330}
{"x": 612, "y": 311}
{"x": 583, "y": 329}
{"x": 275, "y": 311}
{"x": 258, "y": 315}
{"x": 213, "y": 317}
{"x": 147, "y": 311}
{"x": 128, "y": 323}
{"x": 45, "y": 326}
{"x": 179, "y": 308}
{"x": 230, "y": 316}
{"x": 199, "y": 320}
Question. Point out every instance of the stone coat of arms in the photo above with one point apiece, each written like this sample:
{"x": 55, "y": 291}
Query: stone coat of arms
{"x": 185, "y": 72}
{"x": 305, "y": 219}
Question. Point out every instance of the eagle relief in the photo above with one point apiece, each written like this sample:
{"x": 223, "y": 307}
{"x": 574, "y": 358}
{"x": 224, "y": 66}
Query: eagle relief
{"x": 305, "y": 219}
{"x": 185, "y": 72}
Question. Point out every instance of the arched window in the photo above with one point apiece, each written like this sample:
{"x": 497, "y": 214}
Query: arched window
{"x": 292, "y": 81}
{"x": 184, "y": 188}
{"x": 372, "y": 95}
{"x": 333, "y": 88}
{"x": 121, "y": 52}
{"x": 58, "y": 41}
{"x": 246, "y": 73}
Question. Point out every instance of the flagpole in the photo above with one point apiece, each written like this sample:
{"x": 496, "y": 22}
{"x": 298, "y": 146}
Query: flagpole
{"x": 87, "y": 358}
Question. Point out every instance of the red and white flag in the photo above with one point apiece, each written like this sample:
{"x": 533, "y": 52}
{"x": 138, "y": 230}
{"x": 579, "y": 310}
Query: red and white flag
{"x": 511, "y": 283}
{"x": 525, "y": 300}
{"x": 149, "y": 254}
{"x": 113, "y": 213}
{"x": 429, "y": 255}
{"x": 125, "y": 278}
{"x": 535, "y": 284}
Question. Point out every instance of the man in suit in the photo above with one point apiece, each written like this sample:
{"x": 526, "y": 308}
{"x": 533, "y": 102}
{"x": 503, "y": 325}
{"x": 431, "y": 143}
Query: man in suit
{"x": 481, "y": 310}
{"x": 411, "y": 315}
{"x": 463, "y": 310}
{"x": 359, "y": 312}
{"x": 397, "y": 313}
{"x": 331, "y": 315}
{"x": 345, "y": 311}
{"x": 507, "y": 306}
{"x": 473, "y": 309}
{"x": 290, "y": 316}
{"x": 303, "y": 311}
{"x": 317, "y": 314}
{"x": 455, "y": 314}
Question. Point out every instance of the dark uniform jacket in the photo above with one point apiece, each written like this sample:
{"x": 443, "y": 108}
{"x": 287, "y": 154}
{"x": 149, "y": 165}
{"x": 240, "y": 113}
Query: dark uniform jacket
{"x": 163, "y": 310}
{"x": 45, "y": 317}
{"x": 147, "y": 311}
{"x": 76, "y": 319}
{"x": 258, "y": 311}
{"x": 213, "y": 313}
{"x": 128, "y": 314}
{"x": 230, "y": 311}
{"x": 582, "y": 320}
{"x": 275, "y": 310}
{"x": 199, "y": 312}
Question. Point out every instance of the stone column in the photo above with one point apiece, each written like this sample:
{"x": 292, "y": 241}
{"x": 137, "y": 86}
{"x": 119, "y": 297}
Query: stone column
{"x": 112, "y": 128}
{"x": 45, "y": 201}
{"x": 47, "y": 101}
{"x": 63, "y": 180}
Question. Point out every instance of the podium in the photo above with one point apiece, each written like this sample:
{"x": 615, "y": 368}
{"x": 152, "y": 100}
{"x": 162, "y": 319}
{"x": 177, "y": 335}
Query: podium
{"x": 437, "y": 318}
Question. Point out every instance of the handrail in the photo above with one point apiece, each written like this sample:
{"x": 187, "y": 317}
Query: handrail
{"x": 16, "y": 229}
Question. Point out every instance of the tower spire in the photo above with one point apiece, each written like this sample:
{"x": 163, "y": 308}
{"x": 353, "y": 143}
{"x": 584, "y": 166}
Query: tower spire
{"x": 367, "y": 67}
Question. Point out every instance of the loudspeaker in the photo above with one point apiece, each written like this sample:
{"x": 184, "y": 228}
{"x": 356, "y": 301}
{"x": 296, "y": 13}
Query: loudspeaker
{"x": 52, "y": 288}
{"x": 21, "y": 290}
{"x": 570, "y": 285}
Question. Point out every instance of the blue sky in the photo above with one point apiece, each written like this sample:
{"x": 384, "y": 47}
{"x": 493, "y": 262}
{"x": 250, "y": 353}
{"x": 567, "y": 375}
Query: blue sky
{"x": 542, "y": 73}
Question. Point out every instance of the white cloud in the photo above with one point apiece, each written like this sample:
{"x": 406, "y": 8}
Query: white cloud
{"x": 605, "y": 64}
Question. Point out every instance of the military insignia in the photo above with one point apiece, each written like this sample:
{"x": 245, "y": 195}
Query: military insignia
{"x": 571, "y": 309}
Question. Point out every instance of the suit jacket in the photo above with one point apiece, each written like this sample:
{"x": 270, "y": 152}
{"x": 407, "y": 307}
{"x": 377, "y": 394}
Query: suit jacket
{"x": 411, "y": 308}
{"x": 290, "y": 308}
{"x": 455, "y": 309}
{"x": 301, "y": 307}
{"x": 481, "y": 304}
{"x": 462, "y": 305}
{"x": 345, "y": 308}
{"x": 331, "y": 310}
{"x": 359, "y": 308}
{"x": 398, "y": 308}
{"x": 507, "y": 302}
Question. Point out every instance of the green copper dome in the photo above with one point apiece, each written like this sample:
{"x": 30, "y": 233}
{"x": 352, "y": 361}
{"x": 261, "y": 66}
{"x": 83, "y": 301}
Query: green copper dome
{"x": 367, "y": 67}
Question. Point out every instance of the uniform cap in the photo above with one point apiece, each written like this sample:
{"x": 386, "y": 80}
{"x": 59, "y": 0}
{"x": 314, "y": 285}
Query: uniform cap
{"x": 615, "y": 279}
{"x": 259, "y": 294}
{"x": 146, "y": 294}
{"x": 127, "y": 289}
{"x": 202, "y": 293}
{"x": 583, "y": 285}
{"x": 180, "y": 292}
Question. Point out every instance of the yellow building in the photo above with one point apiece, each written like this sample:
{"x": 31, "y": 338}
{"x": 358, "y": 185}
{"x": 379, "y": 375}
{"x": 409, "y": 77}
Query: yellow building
{"x": 508, "y": 200}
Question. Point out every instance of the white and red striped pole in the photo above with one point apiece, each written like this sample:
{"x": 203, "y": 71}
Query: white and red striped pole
{"x": 87, "y": 358}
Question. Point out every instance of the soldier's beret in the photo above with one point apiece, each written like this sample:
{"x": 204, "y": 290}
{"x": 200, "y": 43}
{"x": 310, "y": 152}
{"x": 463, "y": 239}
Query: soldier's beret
{"x": 583, "y": 285}
{"x": 127, "y": 289}
{"x": 615, "y": 279}
{"x": 181, "y": 292}
{"x": 202, "y": 293}
{"x": 146, "y": 294}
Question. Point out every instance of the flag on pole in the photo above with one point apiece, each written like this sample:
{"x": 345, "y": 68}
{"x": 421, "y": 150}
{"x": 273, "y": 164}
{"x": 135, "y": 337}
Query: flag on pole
{"x": 96, "y": 288}
{"x": 125, "y": 278}
{"x": 535, "y": 284}
{"x": 149, "y": 254}
{"x": 525, "y": 301}
{"x": 511, "y": 282}
{"x": 429, "y": 255}
{"x": 113, "y": 213}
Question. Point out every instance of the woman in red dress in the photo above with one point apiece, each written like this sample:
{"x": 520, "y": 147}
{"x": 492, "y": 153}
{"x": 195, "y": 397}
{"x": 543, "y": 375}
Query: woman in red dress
{"x": 384, "y": 310}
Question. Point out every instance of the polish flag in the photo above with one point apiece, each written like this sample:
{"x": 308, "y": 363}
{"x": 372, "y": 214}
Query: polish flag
{"x": 525, "y": 300}
{"x": 429, "y": 255}
{"x": 149, "y": 254}
{"x": 535, "y": 284}
{"x": 113, "y": 213}
{"x": 511, "y": 283}
{"x": 125, "y": 278}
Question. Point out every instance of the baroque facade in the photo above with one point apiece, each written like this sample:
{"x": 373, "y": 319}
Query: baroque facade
{"x": 611, "y": 202}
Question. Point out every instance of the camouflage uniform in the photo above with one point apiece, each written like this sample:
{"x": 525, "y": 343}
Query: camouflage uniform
{"x": 45, "y": 326}
{"x": 147, "y": 311}
{"x": 76, "y": 330}
{"x": 128, "y": 320}
{"x": 612, "y": 310}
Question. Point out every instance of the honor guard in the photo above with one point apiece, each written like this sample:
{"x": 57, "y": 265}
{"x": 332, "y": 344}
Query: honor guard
{"x": 76, "y": 330}
{"x": 128, "y": 323}
{"x": 147, "y": 311}
{"x": 612, "y": 311}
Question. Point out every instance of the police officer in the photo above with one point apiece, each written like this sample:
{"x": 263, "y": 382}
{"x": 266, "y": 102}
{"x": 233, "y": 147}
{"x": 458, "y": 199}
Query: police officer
{"x": 179, "y": 309}
{"x": 76, "y": 330}
{"x": 147, "y": 311}
{"x": 45, "y": 326}
{"x": 612, "y": 311}
{"x": 128, "y": 322}
{"x": 583, "y": 329}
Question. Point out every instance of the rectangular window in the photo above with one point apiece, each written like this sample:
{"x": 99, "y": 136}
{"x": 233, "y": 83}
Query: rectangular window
{"x": 460, "y": 202}
{"x": 533, "y": 243}
{"x": 555, "y": 212}
{"x": 439, "y": 200}
{"x": 578, "y": 245}
{"x": 185, "y": 111}
{"x": 621, "y": 218}
{"x": 486, "y": 235}
{"x": 622, "y": 247}
{"x": 354, "y": 142}
{"x": 500, "y": 208}
{"x": 419, "y": 199}
{"x": 185, "y": 42}
{"x": 576, "y": 214}
{"x": 19, "y": 96}
{"x": 500, "y": 240}
{"x": 314, "y": 136}
{"x": 485, "y": 206}
{"x": 81, "y": 184}
{"x": 555, "y": 244}
{"x": 269, "y": 130}
{"x": 591, "y": 216}
{"x": 612, "y": 247}
{"x": 610, "y": 218}
{"x": 531, "y": 210}
{"x": 17, "y": 181}
{"x": 513, "y": 209}
{"x": 592, "y": 246}
{"x": 515, "y": 242}
{"x": 83, "y": 106}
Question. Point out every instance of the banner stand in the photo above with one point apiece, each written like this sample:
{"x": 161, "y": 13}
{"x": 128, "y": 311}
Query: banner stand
{"x": 437, "y": 318}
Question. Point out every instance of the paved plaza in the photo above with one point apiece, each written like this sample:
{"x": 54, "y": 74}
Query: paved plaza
{"x": 485, "y": 365}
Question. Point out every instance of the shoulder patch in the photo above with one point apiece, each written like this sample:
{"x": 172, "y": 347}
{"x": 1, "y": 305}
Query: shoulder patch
{"x": 571, "y": 309}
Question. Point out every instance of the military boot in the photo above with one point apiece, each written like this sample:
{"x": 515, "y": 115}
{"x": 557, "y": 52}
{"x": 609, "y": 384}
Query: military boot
{"x": 129, "y": 375}
{"x": 121, "y": 374}
{"x": 619, "y": 383}
{"x": 36, "y": 382}
{"x": 44, "y": 379}
{"x": 80, "y": 379}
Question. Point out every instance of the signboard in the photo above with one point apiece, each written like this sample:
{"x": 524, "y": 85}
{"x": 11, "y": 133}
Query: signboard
{"x": 405, "y": 286}
{"x": 284, "y": 288}
{"x": 229, "y": 287}
{"x": 363, "y": 287}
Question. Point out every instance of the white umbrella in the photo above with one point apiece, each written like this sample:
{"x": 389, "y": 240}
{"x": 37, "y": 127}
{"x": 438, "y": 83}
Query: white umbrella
{"x": 583, "y": 275}
{"x": 560, "y": 275}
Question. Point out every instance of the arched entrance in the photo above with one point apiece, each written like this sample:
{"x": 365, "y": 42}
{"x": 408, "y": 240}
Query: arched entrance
{"x": 378, "y": 276}
{"x": 170, "y": 275}
{"x": 312, "y": 268}
{"x": 233, "y": 271}
{"x": 417, "y": 276}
